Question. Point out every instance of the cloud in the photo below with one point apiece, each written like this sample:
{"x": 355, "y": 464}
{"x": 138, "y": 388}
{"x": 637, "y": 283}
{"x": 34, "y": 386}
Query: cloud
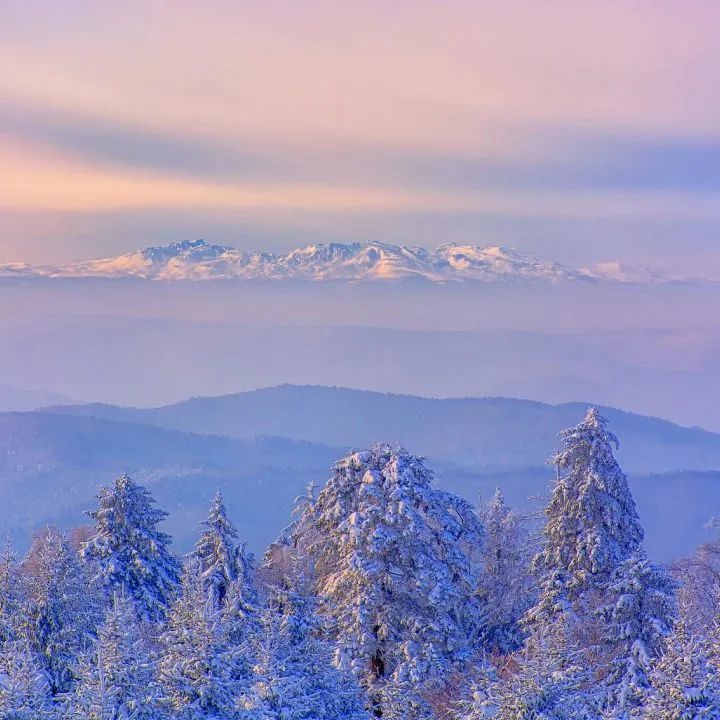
{"x": 564, "y": 158}
{"x": 121, "y": 145}
{"x": 583, "y": 113}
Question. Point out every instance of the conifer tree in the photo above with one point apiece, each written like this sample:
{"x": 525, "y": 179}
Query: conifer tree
{"x": 241, "y": 621}
{"x": 397, "y": 569}
{"x": 24, "y": 691}
{"x": 592, "y": 528}
{"x": 506, "y": 585}
{"x": 116, "y": 679}
{"x": 640, "y": 615}
{"x": 295, "y": 678}
{"x": 198, "y": 664}
{"x": 684, "y": 685}
{"x": 129, "y": 550}
{"x": 222, "y": 561}
{"x": 592, "y": 523}
{"x": 63, "y": 607}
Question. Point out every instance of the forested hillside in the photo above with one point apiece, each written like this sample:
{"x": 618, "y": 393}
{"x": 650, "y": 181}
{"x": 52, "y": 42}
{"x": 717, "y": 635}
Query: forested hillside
{"x": 385, "y": 596}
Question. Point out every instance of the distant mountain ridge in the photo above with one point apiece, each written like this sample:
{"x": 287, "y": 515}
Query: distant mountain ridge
{"x": 52, "y": 466}
{"x": 475, "y": 432}
{"x": 371, "y": 261}
{"x": 52, "y": 462}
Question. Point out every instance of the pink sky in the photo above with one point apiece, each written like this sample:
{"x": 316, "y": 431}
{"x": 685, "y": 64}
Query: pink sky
{"x": 287, "y": 116}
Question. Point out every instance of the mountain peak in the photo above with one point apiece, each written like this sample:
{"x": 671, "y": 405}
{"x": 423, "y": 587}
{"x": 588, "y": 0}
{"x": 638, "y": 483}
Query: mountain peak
{"x": 350, "y": 262}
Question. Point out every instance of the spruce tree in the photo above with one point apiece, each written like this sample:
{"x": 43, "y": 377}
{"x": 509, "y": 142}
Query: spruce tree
{"x": 397, "y": 569}
{"x": 592, "y": 523}
{"x": 198, "y": 666}
{"x": 129, "y": 550}
{"x": 592, "y": 528}
{"x": 294, "y": 675}
{"x": 241, "y": 621}
{"x": 684, "y": 685}
{"x": 116, "y": 679}
{"x": 64, "y": 607}
{"x": 638, "y": 618}
{"x": 506, "y": 585}
{"x": 222, "y": 561}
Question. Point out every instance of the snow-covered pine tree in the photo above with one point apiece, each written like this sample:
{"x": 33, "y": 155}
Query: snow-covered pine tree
{"x": 198, "y": 665}
{"x": 240, "y": 618}
{"x": 64, "y": 606}
{"x": 592, "y": 523}
{"x": 24, "y": 691}
{"x": 592, "y": 527}
{"x": 294, "y": 675}
{"x": 639, "y": 616}
{"x": 684, "y": 685}
{"x": 222, "y": 560}
{"x": 397, "y": 569}
{"x": 131, "y": 553}
{"x": 506, "y": 585}
{"x": 116, "y": 679}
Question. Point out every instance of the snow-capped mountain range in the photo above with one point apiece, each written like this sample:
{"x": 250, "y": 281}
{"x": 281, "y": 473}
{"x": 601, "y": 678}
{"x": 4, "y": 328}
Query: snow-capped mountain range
{"x": 199, "y": 260}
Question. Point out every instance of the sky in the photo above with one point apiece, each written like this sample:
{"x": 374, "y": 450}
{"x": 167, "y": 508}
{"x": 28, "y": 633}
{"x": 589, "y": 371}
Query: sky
{"x": 582, "y": 130}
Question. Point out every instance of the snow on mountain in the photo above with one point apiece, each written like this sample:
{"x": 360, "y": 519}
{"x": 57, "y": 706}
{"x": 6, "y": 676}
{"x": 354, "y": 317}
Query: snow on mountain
{"x": 199, "y": 260}
{"x": 500, "y": 263}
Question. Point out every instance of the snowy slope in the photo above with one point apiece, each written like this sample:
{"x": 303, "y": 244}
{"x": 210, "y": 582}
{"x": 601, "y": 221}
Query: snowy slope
{"x": 199, "y": 260}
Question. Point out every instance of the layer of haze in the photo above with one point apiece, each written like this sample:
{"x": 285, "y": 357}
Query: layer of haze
{"x": 649, "y": 349}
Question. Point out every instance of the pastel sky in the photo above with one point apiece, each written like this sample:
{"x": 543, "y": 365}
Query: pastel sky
{"x": 583, "y": 130}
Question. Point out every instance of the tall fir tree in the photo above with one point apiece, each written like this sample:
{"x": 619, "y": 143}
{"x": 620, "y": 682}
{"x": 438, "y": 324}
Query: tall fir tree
{"x": 64, "y": 606}
{"x": 592, "y": 528}
{"x": 116, "y": 679}
{"x": 198, "y": 665}
{"x": 639, "y": 616}
{"x": 241, "y": 621}
{"x": 684, "y": 685}
{"x": 132, "y": 555}
{"x": 221, "y": 559}
{"x": 506, "y": 584}
{"x": 592, "y": 523}
{"x": 397, "y": 566}
{"x": 294, "y": 675}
